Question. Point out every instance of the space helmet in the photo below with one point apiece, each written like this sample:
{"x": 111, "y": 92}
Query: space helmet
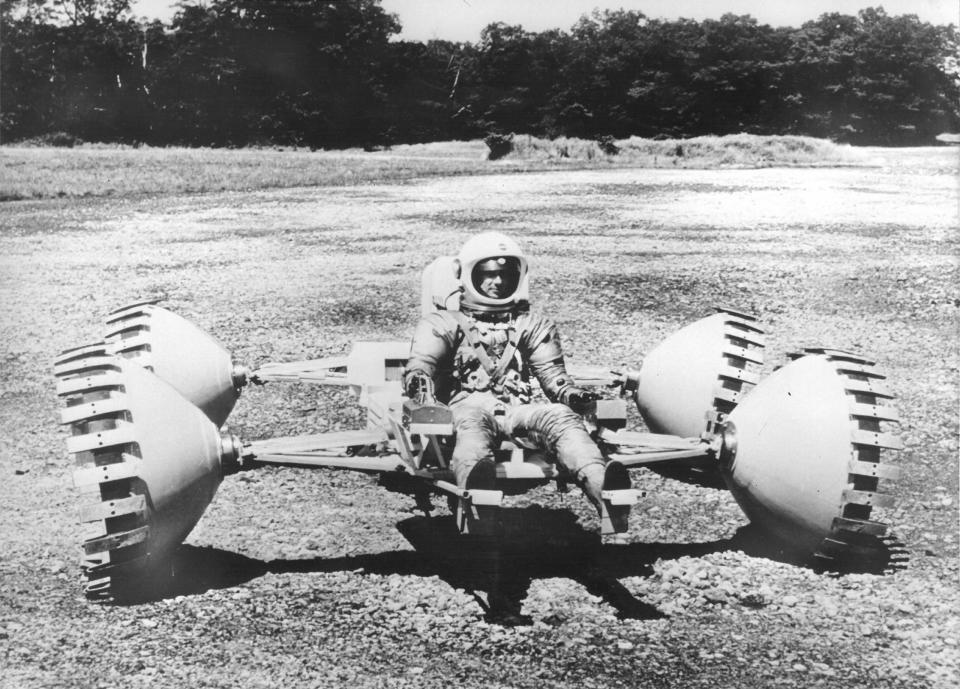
{"x": 492, "y": 251}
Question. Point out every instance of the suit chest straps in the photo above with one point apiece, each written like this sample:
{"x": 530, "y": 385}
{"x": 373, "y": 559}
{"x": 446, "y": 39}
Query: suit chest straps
{"x": 486, "y": 353}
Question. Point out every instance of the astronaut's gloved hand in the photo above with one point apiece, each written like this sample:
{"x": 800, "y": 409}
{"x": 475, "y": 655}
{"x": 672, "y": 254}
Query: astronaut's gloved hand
{"x": 419, "y": 386}
{"x": 518, "y": 387}
{"x": 578, "y": 398}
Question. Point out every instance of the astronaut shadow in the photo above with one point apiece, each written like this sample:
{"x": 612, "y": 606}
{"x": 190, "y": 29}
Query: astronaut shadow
{"x": 531, "y": 543}
{"x": 537, "y": 543}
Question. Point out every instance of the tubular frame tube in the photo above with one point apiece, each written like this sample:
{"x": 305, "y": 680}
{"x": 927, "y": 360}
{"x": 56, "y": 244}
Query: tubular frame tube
{"x": 660, "y": 457}
{"x": 326, "y": 461}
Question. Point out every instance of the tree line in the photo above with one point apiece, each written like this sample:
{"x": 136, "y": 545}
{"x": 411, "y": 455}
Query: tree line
{"x": 328, "y": 74}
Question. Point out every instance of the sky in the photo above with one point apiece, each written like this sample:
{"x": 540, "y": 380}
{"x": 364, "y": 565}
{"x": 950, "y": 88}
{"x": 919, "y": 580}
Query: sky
{"x": 462, "y": 20}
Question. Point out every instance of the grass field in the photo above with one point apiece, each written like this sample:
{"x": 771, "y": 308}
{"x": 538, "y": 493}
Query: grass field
{"x": 297, "y": 577}
{"x": 40, "y": 172}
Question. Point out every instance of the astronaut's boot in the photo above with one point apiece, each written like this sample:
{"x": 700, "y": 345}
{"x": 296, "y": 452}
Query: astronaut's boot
{"x": 474, "y": 515}
{"x": 479, "y": 475}
{"x": 596, "y": 478}
{"x": 615, "y": 516}
{"x": 590, "y": 479}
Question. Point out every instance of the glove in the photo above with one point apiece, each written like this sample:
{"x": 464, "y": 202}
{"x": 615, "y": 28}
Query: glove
{"x": 518, "y": 388}
{"x": 578, "y": 398}
{"x": 419, "y": 386}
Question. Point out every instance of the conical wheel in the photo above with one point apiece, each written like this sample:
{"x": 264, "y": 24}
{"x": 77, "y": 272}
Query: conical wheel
{"x": 802, "y": 455}
{"x": 148, "y": 464}
{"x": 699, "y": 372}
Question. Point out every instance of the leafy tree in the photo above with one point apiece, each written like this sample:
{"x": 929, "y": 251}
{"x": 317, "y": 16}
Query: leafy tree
{"x": 292, "y": 71}
{"x": 875, "y": 78}
{"x": 502, "y": 86}
{"x": 740, "y": 80}
{"x": 71, "y": 66}
{"x": 23, "y": 66}
{"x": 322, "y": 73}
{"x": 661, "y": 98}
{"x": 428, "y": 95}
{"x": 606, "y": 59}
{"x": 77, "y": 12}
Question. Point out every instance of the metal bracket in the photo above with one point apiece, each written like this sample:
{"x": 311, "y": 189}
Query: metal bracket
{"x": 867, "y": 386}
{"x": 107, "y": 379}
{"x": 750, "y": 335}
{"x": 863, "y": 526}
{"x": 427, "y": 419}
{"x": 862, "y": 497}
{"x": 136, "y": 504}
{"x": 95, "y": 475}
{"x": 873, "y": 439}
{"x": 874, "y": 411}
{"x": 123, "y": 434}
{"x": 119, "y": 540}
{"x": 625, "y": 496}
{"x": 873, "y": 469}
{"x": 610, "y": 414}
{"x": 116, "y": 403}
{"x": 739, "y": 374}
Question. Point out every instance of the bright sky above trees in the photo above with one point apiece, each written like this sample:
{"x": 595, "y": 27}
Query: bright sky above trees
{"x": 462, "y": 20}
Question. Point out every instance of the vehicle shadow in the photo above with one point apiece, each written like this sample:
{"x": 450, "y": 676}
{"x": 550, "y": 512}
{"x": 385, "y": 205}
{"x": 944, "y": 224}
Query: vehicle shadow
{"x": 532, "y": 543}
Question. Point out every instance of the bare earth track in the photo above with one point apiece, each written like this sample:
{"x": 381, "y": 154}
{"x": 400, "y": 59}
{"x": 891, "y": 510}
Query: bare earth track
{"x": 300, "y": 578}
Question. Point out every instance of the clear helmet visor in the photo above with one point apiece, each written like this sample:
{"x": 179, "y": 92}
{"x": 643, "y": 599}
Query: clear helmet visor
{"x": 496, "y": 278}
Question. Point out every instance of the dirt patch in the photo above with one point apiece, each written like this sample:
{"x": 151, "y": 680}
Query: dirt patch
{"x": 312, "y": 578}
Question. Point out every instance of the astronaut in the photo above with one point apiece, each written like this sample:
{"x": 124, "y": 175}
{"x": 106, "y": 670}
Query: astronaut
{"x": 479, "y": 361}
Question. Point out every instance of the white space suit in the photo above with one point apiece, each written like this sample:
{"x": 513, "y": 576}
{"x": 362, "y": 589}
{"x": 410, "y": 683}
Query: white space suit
{"x": 479, "y": 361}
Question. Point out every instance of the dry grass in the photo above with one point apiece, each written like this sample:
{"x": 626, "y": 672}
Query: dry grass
{"x": 96, "y": 170}
{"x": 122, "y": 171}
{"x": 740, "y": 150}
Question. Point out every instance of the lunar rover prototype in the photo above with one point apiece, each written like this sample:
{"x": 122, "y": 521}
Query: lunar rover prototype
{"x": 800, "y": 450}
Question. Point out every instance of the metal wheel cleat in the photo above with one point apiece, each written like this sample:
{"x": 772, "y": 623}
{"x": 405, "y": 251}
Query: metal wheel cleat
{"x": 802, "y": 453}
{"x": 702, "y": 370}
{"x": 148, "y": 464}
{"x": 176, "y": 350}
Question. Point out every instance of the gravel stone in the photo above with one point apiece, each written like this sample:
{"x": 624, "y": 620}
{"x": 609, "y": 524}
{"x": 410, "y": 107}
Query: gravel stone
{"x": 302, "y": 578}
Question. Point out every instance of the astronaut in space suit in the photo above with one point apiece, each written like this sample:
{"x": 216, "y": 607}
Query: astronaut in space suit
{"x": 479, "y": 361}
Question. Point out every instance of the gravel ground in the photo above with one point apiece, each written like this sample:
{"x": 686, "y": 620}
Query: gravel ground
{"x": 312, "y": 578}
